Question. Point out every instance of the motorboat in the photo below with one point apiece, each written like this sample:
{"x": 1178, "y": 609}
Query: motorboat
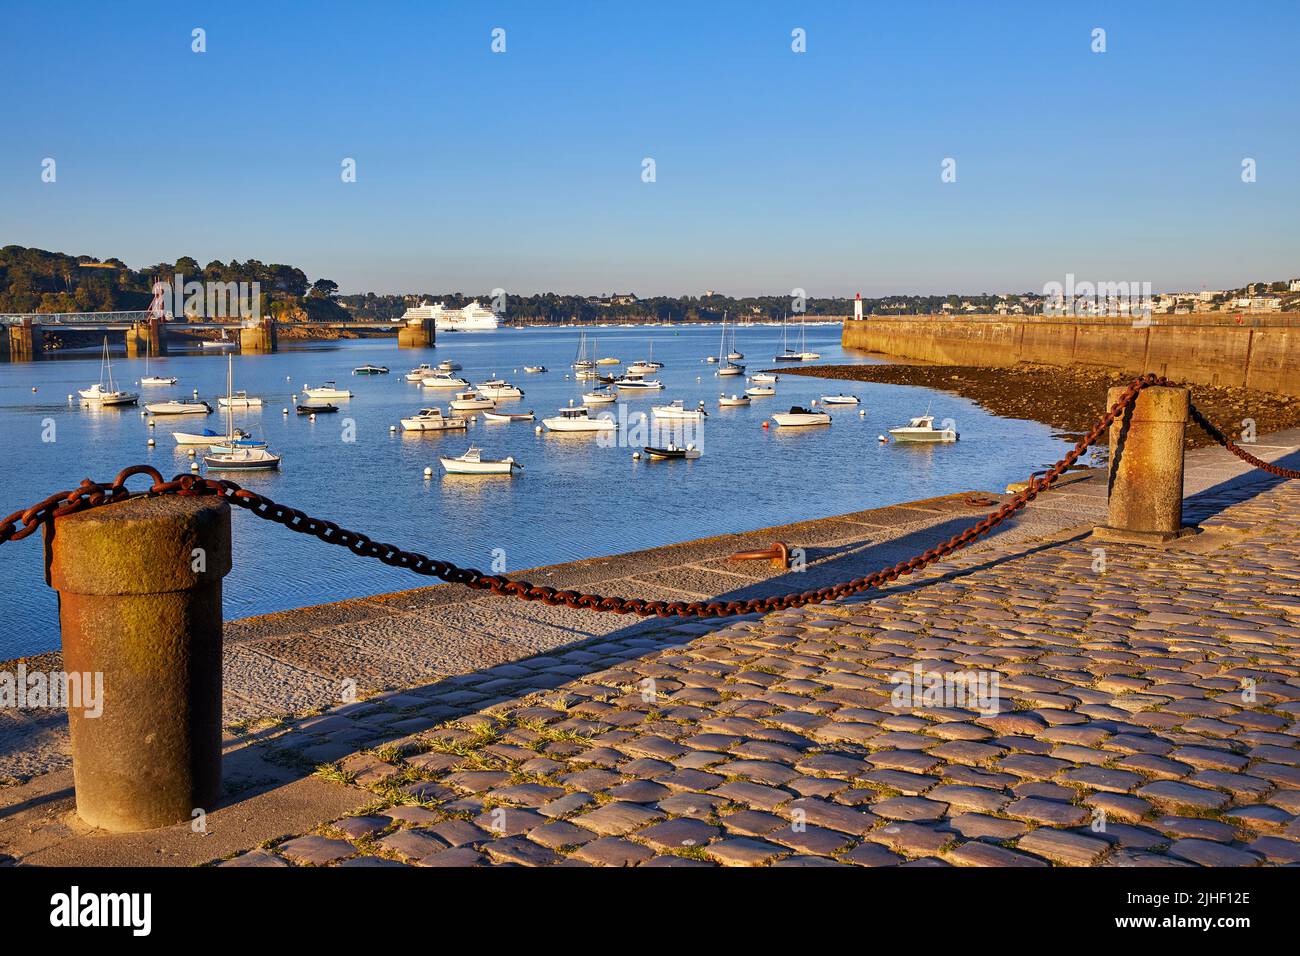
{"x": 760, "y": 391}
{"x": 609, "y": 360}
{"x": 921, "y": 429}
{"x": 711, "y": 360}
{"x": 534, "y": 369}
{"x": 208, "y": 437}
{"x": 677, "y": 409}
{"x": 497, "y": 389}
{"x": 240, "y": 399}
{"x": 433, "y": 420}
{"x": 105, "y": 393}
{"x": 798, "y": 415}
{"x": 370, "y": 370}
{"x": 732, "y": 401}
{"x": 577, "y": 418}
{"x": 473, "y": 463}
{"x": 599, "y": 396}
{"x": 839, "y": 399}
{"x": 242, "y": 459}
{"x": 178, "y": 408}
{"x": 637, "y": 383}
{"x": 419, "y": 372}
{"x": 764, "y": 377}
{"x": 447, "y": 365}
{"x": 328, "y": 390}
{"x": 689, "y": 453}
{"x": 470, "y": 401}
{"x": 508, "y": 417}
{"x": 443, "y": 380}
{"x": 316, "y": 408}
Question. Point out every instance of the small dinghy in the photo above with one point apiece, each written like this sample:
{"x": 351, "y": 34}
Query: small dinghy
{"x": 534, "y": 369}
{"x": 324, "y": 408}
{"x": 733, "y": 401}
{"x": 760, "y": 391}
{"x": 839, "y": 399}
{"x": 689, "y": 453}
{"x": 178, "y": 408}
{"x": 433, "y": 420}
{"x": 504, "y": 417}
{"x": 370, "y": 370}
{"x": 157, "y": 380}
{"x": 801, "y": 416}
{"x": 473, "y": 463}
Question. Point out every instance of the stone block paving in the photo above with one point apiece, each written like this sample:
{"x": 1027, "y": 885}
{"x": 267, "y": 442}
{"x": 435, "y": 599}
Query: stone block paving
{"x": 1145, "y": 715}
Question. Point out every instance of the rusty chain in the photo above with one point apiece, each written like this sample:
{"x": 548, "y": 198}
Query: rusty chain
{"x": 91, "y": 494}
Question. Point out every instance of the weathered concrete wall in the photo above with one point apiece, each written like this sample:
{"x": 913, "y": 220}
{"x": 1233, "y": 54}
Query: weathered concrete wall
{"x": 1201, "y": 350}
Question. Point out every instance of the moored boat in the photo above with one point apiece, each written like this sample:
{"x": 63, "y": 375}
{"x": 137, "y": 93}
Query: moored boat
{"x": 316, "y": 408}
{"x": 433, "y": 420}
{"x": 921, "y": 429}
{"x": 178, "y": 408}
{"x": 839, "y": 399}
{"x": 689, "y": 453}
{"x": 677, "y": 409}
{"x": 508, "y": 417}
{"x": 798, "y": 416}
{"x": 470, "y": 401}
{"x": 240, "y": 399}
{"x": 760, "y": 391}
{"x": 599, "y": 396}
{"x": 577, "y": 418}
{"x": 370, "y": 370}
{"x": 637, "y": 383}
{"x": 328, "y": 390}
{"x": 100, "y": 395}
{"x": 732, "y": 401}
{"x": 534, "y": 369}
{"x": 473, "y": 463}
{"x": 443, "y": 380}
{"x": 242, "y": 459}
{"x": 419, "y": 372}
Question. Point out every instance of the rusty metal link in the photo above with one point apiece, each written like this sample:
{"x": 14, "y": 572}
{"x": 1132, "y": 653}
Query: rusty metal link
{"x": 90, "y": 494}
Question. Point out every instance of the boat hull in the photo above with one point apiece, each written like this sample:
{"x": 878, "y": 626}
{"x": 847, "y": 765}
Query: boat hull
{"x": 787, "y": 420}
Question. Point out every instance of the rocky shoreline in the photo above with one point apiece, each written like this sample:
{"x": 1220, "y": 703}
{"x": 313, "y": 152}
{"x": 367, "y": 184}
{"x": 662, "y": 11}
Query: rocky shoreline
{"x": 1068, "y": 399}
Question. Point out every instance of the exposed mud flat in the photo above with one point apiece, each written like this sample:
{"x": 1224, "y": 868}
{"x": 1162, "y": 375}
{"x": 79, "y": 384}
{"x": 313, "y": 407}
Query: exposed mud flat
{"x": 1068, "y": 399}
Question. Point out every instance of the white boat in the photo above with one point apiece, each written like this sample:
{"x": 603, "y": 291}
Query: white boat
{"x": 921, "y": 429}
{"x": 470, "y": 401}
{"x": 471, "y": 318}
{"x": 419, "y": 372}
{"x": 677, "y": 410}
{"x": 447, "y": 365}
{"x": 208, "y": 437}
{"x": 98, "y": 394}
{"x": 497, "y": 389}
{"x": 433, "y": 420}
{"x": 370, "y": 370}
{"x": 534, "y": 369}
{"x": 608, "y": 360}
{"x": 242, "y": 453}
{"x": 153, "y": 379}
{"x": 178, "y": 408}
{"x": 764, "y": 377}
{"x": 501, "y": 417}
{"x": 242, "y": 459}
{"x": 443, "y": 380}
{"x": 645, "y": 366}
{"x": 240, "y": 399}
{"x": 731, "y": 368}
{"x": 599, "y": 396}
{"x": 760, "y": 391}
{"x": 801, "y": 416}
{"x": 577, "y": 418}
{"x": 473, "y": 463}
{"x": 328, "y": 390}
{"x": 637, "y": 383}
{"x": 839, "y": 399}
{"x": 221, "y": 343}
{"x": 732, "y": 401}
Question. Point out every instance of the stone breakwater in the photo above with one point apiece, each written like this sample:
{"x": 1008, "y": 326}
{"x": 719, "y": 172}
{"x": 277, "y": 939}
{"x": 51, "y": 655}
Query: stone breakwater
{"x": 1200, "y": 350}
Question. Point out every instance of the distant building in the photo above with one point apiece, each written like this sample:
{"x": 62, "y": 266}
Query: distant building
{"x": 1295, "y": 285}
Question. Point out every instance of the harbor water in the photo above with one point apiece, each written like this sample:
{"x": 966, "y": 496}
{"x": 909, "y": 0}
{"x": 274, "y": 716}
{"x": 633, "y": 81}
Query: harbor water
{"x": 577, "y": 496}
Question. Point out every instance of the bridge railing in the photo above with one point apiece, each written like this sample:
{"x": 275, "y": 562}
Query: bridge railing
{"x": 75, "y": 318}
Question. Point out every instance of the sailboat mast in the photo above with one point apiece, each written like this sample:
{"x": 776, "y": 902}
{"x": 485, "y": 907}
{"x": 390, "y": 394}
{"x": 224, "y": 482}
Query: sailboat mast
{"x": 230, "y": 405}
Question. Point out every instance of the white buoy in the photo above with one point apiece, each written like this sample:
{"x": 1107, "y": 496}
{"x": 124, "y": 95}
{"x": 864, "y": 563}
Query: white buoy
{"x": 862, "y": 413}
{"x": 196, "y": 393}
{"x": 69, "y": 398}
{"x": 537, "y": 430}
{"x": 392, "y": 428}
{"x": 194, "y": 466}
{"x": 428, "y": 472}
{"x": 636, "y": 456}
{"x": 311, "y": 417}
{"x": 881, "y": 438}
{"x": 191, "y": 452}
{"x": 284, "y": 411}
{"x": 294, "y": 396}
{"x": 150, "y": 443}
{"x": 152, "y": 423}
{"x": 33, "y": 389}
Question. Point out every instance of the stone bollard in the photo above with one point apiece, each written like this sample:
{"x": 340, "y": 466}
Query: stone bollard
{"x": 1145, "y": 491}
{"x": 139, "y": 587}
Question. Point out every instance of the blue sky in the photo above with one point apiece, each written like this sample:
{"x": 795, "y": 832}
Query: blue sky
{"x": 775, "y": 170}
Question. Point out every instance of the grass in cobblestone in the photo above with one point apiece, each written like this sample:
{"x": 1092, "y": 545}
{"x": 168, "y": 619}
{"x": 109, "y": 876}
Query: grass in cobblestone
{"x": 691, "y": 853}
{"x": 333, "y": 773}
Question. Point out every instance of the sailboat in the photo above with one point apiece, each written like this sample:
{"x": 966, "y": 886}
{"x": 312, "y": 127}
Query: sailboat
{"x": 729, "y": 367}
{"x": 97, "y": 394}
{"x": 804, "y": 354}
{"x": 582, "y": 361}
{"x": 645, "y": 366}
{"x": 153, "y": 379}
{"x": 787, "y": 354}
{"x": 238, "y": 454}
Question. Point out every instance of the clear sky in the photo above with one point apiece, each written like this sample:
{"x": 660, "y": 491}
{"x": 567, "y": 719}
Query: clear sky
{"x": 774, "y": 169}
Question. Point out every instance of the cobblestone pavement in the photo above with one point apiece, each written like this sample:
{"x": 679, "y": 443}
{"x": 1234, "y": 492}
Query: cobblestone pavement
{"x": 1146, "y": 715}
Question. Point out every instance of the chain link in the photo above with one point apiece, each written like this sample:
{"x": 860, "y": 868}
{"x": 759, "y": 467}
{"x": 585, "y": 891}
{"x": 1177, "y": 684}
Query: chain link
{"x": 90, "y": 494}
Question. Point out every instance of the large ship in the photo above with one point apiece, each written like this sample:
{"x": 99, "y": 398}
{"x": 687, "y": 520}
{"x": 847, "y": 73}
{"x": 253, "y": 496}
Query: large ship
{"x": 472, "y": 318}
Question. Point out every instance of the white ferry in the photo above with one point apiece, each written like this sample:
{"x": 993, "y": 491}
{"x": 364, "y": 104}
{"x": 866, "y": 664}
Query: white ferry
{"x": 472, "y": 318}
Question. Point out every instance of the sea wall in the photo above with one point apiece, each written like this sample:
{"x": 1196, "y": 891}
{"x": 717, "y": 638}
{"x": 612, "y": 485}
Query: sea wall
{"x": 1201, "y": 350}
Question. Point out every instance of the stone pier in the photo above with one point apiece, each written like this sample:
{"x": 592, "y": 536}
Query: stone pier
{"x": 417, "y": 335}
{"x": 22, "y": 342}
{"x": 146, "y": 338}
{"x": 259, "y": 338}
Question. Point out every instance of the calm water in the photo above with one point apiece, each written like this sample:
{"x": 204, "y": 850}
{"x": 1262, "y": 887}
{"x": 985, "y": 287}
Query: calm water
{"x": 574, "y": 499}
